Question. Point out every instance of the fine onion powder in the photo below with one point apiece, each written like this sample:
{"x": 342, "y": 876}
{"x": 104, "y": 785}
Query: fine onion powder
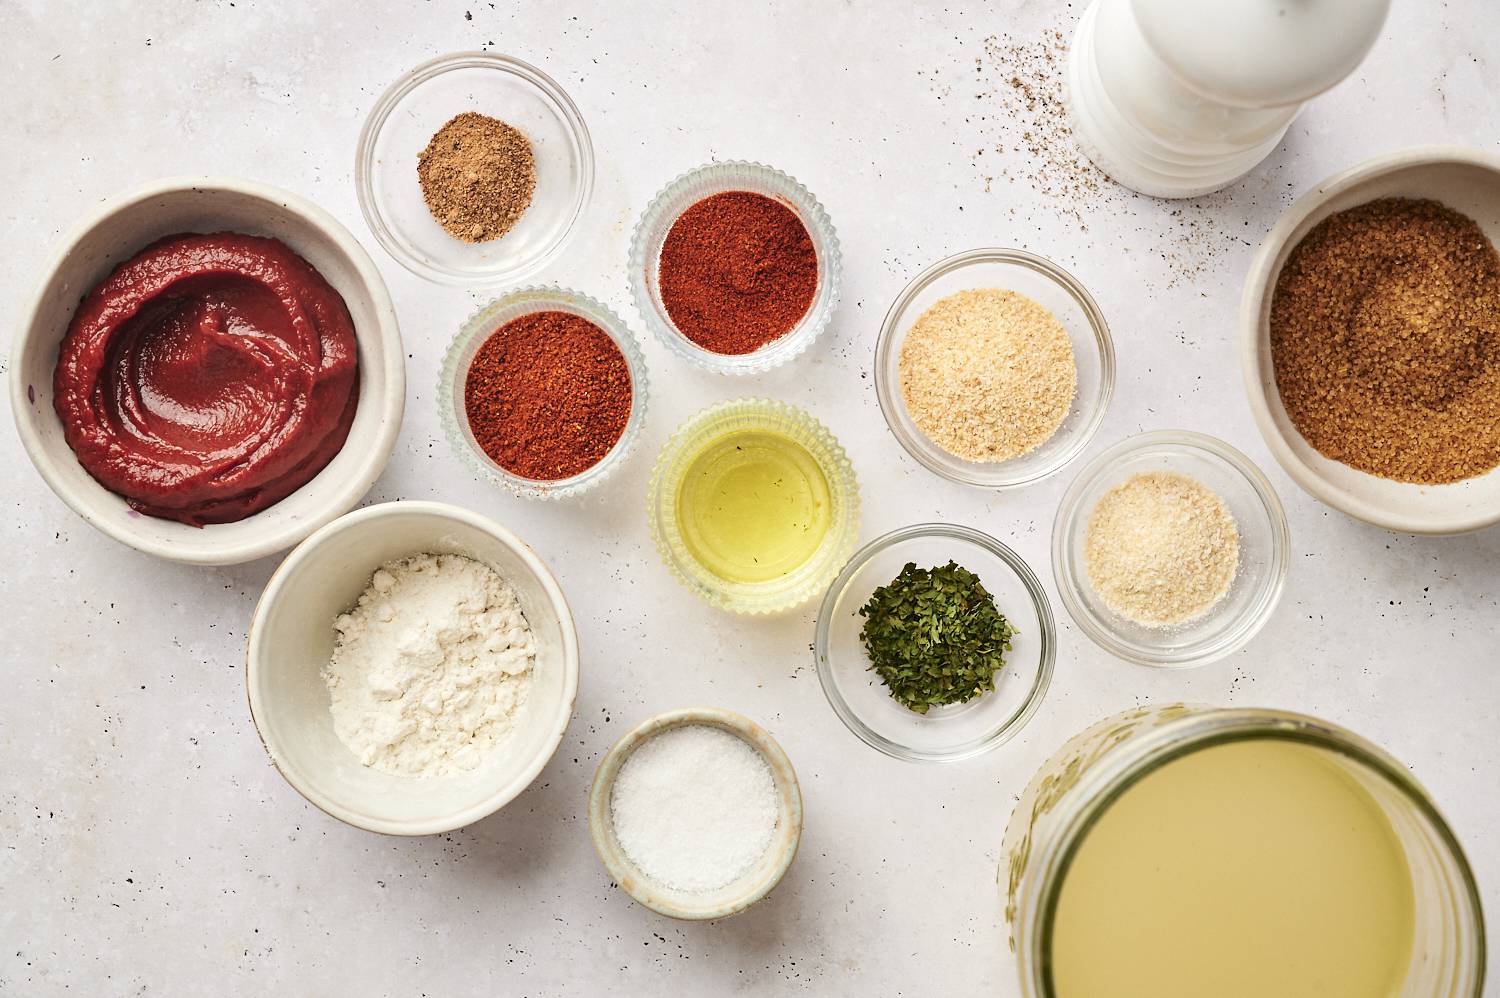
{"x": 694, "y": 808}
{"x": 1161, "y": 549}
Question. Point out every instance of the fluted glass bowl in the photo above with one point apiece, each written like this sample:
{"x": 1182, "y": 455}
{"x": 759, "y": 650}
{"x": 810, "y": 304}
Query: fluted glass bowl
{"x": 956, "y": 731}
{"x": 686, "y": 191}
{"x": 455, "y": 373}
{"x": 1265, "y": 544}
{"x": 690, "y": 441}
{"x": 1048, "y": 285}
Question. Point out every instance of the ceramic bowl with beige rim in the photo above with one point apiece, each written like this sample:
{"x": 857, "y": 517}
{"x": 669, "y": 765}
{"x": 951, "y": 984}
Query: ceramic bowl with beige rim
{"x": 1466, "y": 180}
{"x": 120, "y": 228}
{"x": 292, "y": 638}
{"x": 750, "y": 886}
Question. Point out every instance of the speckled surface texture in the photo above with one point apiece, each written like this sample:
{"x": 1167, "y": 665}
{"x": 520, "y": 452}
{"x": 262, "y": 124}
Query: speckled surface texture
{"x": 148, "y": 847}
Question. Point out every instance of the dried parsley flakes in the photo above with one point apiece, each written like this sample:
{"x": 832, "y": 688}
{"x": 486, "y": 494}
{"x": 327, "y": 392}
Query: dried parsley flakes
{"x": 934, "y": 636}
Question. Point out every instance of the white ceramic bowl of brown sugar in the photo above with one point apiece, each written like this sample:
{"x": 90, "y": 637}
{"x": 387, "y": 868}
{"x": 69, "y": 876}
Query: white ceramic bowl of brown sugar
{"x": 1464, "y": 180}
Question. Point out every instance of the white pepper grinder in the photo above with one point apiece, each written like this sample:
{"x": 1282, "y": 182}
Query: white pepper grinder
{"x": 1176, "y": 98}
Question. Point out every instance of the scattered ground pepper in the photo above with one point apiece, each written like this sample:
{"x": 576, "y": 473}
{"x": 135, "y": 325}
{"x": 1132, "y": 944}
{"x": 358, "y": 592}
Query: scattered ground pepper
{"x": 548, "y": 395}
{"x": 987, "y": 374}
{"x": 738, "y": 272}
{"x": 477, "y": 175}
{"x": 1385, "y": 337}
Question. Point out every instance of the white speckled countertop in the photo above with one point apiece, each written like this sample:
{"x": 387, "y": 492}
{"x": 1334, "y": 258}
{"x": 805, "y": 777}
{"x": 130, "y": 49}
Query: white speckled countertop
{"x": 148, "y": 847}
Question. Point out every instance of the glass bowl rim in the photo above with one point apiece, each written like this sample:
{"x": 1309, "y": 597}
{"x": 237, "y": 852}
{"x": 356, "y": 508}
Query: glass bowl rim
{"x": 667, "y": 539}
{"x": 1069, "y": 518}
{"x": 385, "y": 105}
{"x": 889, "y": 395}
{"x": 1045, "y": 661}
{"x": 777, "y": 352}
{"x": 619, "y": 333}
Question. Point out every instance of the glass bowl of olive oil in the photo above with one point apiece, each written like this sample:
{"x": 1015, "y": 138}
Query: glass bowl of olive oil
{"x": 754, "y": 506}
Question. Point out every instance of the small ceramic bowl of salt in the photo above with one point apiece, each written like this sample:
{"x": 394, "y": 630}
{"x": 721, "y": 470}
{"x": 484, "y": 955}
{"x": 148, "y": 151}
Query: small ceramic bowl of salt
{"x": 696, "y": 813}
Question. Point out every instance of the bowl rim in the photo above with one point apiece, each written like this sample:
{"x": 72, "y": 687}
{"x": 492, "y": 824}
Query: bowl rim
{"x": 1040, "y": 683}
{"x": 547, "y": 297}
{"x": 380, "y": 112}
{"x": 779, "y": 351}
{"x": 667, "y": 539}
{"x": 343, "y": 493}
{"x": 888, "y": 395}
{"x": 1069, "y": 512}
{"x": 618, "y": 865}
{"x": 311, "y": 548}
{"x": 1255, "y": 337}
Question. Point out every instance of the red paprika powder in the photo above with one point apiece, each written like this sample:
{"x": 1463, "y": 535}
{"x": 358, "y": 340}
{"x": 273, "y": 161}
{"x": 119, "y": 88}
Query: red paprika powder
{"x": 738, "y": 271}
{"x": 548, "y": 395}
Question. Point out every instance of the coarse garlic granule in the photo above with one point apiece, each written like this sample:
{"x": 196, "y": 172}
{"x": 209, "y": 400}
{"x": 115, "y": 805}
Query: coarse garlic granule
{"x": 987, "y": 374}
{"x": 1161, "y": 548}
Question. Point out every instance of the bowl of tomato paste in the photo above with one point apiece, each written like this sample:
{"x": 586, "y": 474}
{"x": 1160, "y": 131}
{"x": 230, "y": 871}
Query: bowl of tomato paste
{"x": 210, "y": 369}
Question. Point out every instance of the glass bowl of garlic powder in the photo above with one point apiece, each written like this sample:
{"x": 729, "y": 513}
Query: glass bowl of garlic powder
{"x": 994, "y": 368}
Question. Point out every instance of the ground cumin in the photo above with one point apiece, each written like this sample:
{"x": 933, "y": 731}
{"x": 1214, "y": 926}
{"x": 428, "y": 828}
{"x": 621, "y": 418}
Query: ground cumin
{"x": 477, "y": 175}
{"x": 548, "y": 395}
{"x": 1385, "y": 337}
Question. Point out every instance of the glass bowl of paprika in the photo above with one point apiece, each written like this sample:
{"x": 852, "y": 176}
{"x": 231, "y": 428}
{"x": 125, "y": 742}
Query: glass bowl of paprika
{"x": 735, "y": 267}
{"x": 543, "y": 391}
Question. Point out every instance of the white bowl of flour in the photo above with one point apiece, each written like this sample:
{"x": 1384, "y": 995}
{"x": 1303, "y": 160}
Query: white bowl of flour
{"x": 411, "y": 667}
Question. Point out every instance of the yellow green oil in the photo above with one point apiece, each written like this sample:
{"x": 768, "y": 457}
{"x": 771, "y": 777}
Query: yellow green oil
{"x": 1248, "y": 869}
{"x": 752, "y": 506}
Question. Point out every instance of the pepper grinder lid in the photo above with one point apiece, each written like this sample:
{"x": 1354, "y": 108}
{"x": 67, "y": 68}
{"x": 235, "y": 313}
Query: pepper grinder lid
{"x": 1260, "y": 53}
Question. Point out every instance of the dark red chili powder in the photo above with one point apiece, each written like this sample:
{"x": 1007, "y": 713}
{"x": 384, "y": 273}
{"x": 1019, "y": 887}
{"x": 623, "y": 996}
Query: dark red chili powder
{"x": 738, "y": 271}
{"x": 548, "y": 395}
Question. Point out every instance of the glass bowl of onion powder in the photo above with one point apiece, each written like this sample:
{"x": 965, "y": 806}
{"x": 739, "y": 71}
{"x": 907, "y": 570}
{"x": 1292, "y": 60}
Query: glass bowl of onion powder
{"x": 994, "y": 368}
{"x": 1170, "y": 549}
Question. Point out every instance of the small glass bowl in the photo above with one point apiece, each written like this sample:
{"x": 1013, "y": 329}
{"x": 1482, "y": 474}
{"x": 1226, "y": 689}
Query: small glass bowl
{"x": 404, "y": 120}
{"x": 1265, "y": 543}
{"x": 1045, "y": 283}
{"x": 797, "y": 586}
{"x": 686, "y": 191}
{"x": 455, "y": 373}
{"x": 957, "y": 731}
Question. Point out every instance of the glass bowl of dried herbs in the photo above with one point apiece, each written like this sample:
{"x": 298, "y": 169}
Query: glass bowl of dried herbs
{"x": 935, "y": 643}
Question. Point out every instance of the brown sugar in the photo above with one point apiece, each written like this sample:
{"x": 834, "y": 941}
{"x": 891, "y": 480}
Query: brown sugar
{"x": 1385, "y": 337}
{"x": 477, "y": 175}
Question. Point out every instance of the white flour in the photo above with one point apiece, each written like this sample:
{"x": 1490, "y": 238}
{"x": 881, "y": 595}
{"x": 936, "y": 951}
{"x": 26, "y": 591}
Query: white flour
{"x": 431, "y": 667}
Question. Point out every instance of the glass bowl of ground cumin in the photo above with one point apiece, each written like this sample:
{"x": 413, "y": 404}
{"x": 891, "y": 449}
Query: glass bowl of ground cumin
{"x": 735, "y": 267}
{"x": 1370, "y": 341}
{"x": 543, "y": 391}
{"x": 1170, "y": 549}
{"x": 474, "y": 169}
{"x": 994, "y": 368}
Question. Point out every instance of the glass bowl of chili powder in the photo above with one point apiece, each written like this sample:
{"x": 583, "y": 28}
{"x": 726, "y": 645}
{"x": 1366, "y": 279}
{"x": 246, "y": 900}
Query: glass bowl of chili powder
{"x": 543, "y": 391}
{"x": 735, "y": 267}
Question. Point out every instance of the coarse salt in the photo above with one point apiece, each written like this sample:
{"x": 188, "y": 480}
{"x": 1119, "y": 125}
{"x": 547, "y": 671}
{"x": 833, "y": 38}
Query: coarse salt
{"x": 694, "y": 807}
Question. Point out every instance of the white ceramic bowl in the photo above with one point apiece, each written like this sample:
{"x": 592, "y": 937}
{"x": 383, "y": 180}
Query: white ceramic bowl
{"x": 1466, "y": 180}
{"x": 291, "y": 640}
{"x": 116, "y": 231}
{"x": 752, "y": 885}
